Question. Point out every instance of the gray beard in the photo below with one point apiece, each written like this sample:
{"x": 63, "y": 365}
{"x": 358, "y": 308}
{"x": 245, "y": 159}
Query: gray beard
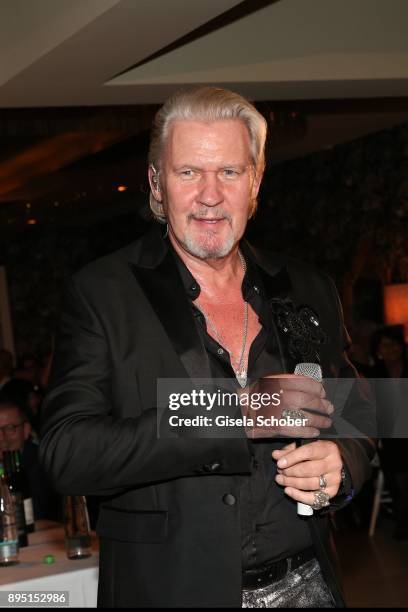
{"x": 208, "y": 251}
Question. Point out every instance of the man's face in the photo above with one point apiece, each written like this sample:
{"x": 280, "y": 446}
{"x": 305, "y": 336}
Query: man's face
{"x": 207, "y": 182}
{"x": 389, "y": 349}
{"x": 13, "y": 431}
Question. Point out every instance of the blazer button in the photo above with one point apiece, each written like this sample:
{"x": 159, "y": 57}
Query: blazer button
{"x": 212, "y": 467}
{"x": 229, "y": 500}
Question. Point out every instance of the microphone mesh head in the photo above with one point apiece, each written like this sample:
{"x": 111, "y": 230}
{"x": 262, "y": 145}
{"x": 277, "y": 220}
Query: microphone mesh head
{"x": 313, "y": 370}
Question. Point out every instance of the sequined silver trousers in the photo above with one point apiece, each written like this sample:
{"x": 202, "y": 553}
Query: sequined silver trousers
{"x": 303, "y": 587}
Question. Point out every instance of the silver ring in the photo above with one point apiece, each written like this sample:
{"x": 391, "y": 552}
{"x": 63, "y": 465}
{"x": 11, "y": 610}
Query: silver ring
{"x": 322, "y": 482}
{"x": 293, "y": 414}
{"x": 322, "y": 500}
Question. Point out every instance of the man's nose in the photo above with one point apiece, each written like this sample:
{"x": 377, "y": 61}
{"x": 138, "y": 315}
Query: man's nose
{"x": 210, "y": 192}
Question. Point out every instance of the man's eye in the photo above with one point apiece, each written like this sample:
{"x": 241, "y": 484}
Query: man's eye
{"x": 187, "y": 173}
{"x": 230, "y": 172}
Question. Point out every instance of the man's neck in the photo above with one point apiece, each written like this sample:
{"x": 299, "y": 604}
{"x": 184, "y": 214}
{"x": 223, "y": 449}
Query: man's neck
{"x": 213, "y": 275}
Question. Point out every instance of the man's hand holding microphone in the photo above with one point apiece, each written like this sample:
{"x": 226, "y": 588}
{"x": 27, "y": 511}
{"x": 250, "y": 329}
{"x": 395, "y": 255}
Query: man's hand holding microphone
{"x": 311, "y": 472}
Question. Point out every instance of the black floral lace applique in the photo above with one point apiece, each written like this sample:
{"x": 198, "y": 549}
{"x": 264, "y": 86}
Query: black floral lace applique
{"x": 302, "y": 329}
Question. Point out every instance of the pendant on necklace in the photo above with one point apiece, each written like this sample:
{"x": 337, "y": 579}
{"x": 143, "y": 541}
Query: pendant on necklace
{"x": 242, "y": 378}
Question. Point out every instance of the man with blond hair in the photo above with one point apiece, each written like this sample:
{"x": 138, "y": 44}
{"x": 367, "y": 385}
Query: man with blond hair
{"x": 189, "y": 519}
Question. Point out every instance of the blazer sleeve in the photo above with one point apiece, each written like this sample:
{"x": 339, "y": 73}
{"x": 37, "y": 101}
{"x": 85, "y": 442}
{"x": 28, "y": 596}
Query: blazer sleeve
{"x": 358, "y": 451}
{"x": 84, "y": 448}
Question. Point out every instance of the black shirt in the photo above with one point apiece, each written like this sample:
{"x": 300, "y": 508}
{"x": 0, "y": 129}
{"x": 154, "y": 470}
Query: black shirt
{"x": 270, "y": 526}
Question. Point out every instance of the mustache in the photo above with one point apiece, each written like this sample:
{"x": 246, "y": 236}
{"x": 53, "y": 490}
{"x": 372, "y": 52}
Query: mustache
{"x": 204, "y": 215}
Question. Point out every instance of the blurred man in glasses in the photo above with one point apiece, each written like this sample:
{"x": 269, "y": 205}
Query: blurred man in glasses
{"x": 14, "y": 425}
{"x": 15, "y": 435}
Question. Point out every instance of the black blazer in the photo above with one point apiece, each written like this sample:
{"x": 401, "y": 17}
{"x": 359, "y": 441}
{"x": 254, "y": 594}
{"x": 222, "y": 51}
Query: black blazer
{"x": 167, "y": 536}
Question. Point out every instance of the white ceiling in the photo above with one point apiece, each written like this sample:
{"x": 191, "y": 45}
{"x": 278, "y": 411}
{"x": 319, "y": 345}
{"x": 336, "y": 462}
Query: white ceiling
{"x": 67, "y": 52}
{"x": 64, "y": 57}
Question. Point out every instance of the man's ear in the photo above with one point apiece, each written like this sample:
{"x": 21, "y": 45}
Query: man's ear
{"x": 154, "y": 183}
{"x": 256, "y": 183}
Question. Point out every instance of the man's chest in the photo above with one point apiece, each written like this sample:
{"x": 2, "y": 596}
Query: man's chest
{"x": 234, "y": 325}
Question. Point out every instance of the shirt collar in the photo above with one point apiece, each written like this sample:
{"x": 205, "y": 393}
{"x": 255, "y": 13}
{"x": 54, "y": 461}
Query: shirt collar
{"x": 251, "y": 283}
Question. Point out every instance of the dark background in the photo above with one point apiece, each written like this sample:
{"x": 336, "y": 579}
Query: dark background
{"x": 344, "y": 209}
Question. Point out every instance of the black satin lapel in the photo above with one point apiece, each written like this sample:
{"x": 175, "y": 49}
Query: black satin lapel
{"x": 278, "y": 286}
{"x": 164, "y": 290}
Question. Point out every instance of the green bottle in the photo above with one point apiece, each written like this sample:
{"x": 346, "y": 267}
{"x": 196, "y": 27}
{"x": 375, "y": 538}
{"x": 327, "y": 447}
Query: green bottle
{"x": 9, "y": 550}
{"x": 23, "y": 485}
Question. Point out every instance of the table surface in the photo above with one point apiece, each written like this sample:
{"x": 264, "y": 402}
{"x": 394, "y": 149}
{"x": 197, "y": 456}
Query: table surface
{"x": 47, "y": 539}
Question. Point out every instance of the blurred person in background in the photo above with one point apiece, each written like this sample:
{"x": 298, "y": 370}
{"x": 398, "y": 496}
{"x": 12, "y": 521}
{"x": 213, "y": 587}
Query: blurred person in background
{"x": 16, "y": 435}
{"x": 30, "y": 369}
{"x": 29, "y": 397}
{"x": 360, "y": 350}
{"x": 389, "y": 352}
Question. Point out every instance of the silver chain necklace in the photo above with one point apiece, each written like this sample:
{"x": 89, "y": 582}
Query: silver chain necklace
{"x": 238, "y": 366}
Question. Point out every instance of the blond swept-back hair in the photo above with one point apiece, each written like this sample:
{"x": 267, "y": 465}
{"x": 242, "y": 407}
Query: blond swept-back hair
{"x": 206, "y": 104}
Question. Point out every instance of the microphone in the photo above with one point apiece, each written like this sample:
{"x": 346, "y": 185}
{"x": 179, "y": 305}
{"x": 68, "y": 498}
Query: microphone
{"x": 313, "y": 370}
